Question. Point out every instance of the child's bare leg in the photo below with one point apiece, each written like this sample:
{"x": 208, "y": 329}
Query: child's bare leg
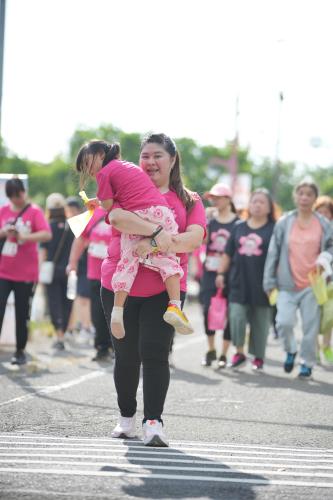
{"x": 174, "y": 315}
{"x": 117, "y": 315}
{"x": 172, "y": 285}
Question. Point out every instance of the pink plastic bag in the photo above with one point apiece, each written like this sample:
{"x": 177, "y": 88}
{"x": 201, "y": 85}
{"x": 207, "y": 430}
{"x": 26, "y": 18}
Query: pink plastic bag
{"x": 217, "y": 312}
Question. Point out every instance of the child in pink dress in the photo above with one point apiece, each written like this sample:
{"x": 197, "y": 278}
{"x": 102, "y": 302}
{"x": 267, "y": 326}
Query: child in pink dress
{"x": 125, "y": 183}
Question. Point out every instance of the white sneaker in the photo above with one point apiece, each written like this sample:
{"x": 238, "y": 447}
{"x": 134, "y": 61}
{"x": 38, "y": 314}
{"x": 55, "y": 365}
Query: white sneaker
{"x": 126, "y": 428}
{"x": 85, "y": 336}
{"x": 153, "y": 434}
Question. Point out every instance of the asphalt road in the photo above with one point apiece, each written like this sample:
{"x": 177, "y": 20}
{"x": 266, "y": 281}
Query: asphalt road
{"x": 233, "y": 434}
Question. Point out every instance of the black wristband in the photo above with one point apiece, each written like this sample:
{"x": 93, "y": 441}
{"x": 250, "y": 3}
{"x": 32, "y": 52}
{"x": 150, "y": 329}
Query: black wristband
{"x": 156, "y": 232}
{"x": 219, "y": 274}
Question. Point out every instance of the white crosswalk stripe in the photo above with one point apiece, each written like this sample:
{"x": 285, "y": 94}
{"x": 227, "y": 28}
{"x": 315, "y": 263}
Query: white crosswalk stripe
{"x": 183, "y": 460}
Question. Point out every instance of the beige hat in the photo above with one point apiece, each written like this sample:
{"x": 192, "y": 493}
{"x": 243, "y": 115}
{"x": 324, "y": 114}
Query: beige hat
{"x": 55, "y": 200}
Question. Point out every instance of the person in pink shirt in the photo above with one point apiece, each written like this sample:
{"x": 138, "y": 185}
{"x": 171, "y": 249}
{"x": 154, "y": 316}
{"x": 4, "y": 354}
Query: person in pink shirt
{"x": 148, "y": 337}
{"x": 96, "y": 237}
{"x": 127, "y": 185}
{"x": 22, "y": 226}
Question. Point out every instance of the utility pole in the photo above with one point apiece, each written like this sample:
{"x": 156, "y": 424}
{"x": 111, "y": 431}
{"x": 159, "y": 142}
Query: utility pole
{"x": 2, "y": 41}
{"x": 233, "y": 169}
{"x": 277, "y": 167}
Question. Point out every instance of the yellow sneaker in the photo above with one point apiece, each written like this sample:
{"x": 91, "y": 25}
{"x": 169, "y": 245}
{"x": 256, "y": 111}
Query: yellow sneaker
{"x": 175, "y": 317}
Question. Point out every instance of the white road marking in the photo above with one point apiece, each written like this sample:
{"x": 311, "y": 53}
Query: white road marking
{"x": 172, "y": 442}
{"x": 55, "y": 388}
{"x": 223, "y": 470}
{"x": 188, "y": 461}
{"x": 145, "y": 459}
{"x": 208, "y": 456}
{"x": 179, "y": 477}
{"x": 179, "y": 451}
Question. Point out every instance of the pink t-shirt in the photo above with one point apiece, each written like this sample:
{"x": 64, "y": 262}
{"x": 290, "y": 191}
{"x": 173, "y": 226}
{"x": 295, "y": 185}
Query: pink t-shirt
{"x": 129, "y": 185}
{"x": 304, "y": 248}
{"x": 147, "y": 281}
{"x": 20, "y": 261}
{"x": 98, "y": 233}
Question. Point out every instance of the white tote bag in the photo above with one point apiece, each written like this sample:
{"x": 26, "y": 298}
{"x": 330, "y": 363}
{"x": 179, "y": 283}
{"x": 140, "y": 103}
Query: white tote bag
{"x": 46, "y": 272}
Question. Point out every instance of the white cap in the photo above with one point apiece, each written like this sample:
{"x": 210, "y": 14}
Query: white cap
{"x": 55, "y": 200}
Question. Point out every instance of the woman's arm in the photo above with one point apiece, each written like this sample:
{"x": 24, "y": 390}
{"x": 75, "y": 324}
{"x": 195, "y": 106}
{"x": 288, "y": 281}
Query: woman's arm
{"x": 37, "y": 237}
{"x": 77, "y": 249}
{"x": 130, "y": 223}
{"x": 188, "y": 241}
{"x": 181, "y": 243}
{"x": 224, "y": 267}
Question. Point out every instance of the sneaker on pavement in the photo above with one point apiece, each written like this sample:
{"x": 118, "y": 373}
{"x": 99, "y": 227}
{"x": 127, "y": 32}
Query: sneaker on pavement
{"x": 257, "y": 364}
{"x": 238, "y": 360}
{"x": 222, "y": 361}
{"x": 19, "y": 358}
{"x": 209, "y": 358}
{"x": 153, "y": 434}
{"x": 305, "y": 372}
{"x": 289, "y": 362}
{"x": 175, "y": 317}
{"x": 59, "y": 345}
{"x": 126, "y": 428}
{"x": 328, "y": 354}
{"x": 85, "y": 336}
{"x": 102, "y": 355}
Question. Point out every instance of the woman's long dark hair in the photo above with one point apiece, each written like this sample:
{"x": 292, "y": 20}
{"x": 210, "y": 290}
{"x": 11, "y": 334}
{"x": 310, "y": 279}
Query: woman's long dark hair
{"x": 94, "y": 147}
{"x": 175, "y": 182}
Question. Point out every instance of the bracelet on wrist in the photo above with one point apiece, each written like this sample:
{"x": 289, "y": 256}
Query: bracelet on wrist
{"x": 156, "y": 232}
{"x": 153, "y": 243}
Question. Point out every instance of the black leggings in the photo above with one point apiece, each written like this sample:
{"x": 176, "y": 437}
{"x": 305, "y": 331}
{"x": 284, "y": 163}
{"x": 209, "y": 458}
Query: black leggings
{"x": 147, "y": 340}
{"x": 23, "y": 292}
{"x": 102, "y": 335}
{"x": 60, "y": 306}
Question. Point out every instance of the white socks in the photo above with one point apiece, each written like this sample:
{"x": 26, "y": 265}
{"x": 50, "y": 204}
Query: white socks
{"x": 117, "y": 322}
{"x": 177, "y": 303}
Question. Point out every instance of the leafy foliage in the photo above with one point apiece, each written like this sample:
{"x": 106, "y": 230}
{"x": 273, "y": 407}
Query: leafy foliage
{"x": 202, "y": 166}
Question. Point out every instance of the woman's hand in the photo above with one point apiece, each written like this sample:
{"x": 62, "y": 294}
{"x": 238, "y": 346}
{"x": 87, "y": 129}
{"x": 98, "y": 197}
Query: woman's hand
{"x": 143, "y": 248}
{"x": 21, "y": 237}
{"x": 10, "y": 231}
{"x": 71, "y": 266}
{"x": 219, "y": 281}
{"x": 163, "y": 240}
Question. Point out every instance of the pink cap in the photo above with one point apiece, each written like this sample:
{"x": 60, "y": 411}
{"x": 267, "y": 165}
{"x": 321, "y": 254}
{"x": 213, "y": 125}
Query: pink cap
{"x": 219, "y": 189}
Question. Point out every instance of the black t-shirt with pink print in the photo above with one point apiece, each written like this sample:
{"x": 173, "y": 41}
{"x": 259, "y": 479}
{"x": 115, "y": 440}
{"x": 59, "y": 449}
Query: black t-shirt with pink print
{"x": 218, "y": 235}
{"x": 248, "y": 248}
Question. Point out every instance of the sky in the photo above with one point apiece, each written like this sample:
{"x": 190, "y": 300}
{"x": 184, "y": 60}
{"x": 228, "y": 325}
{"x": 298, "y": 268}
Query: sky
{"x": 177, "y": 66}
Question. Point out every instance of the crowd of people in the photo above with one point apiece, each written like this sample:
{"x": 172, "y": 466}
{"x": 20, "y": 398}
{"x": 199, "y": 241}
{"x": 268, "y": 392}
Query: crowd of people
{"x": 263, "y": 264}
{"x": 130, "y": 267}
